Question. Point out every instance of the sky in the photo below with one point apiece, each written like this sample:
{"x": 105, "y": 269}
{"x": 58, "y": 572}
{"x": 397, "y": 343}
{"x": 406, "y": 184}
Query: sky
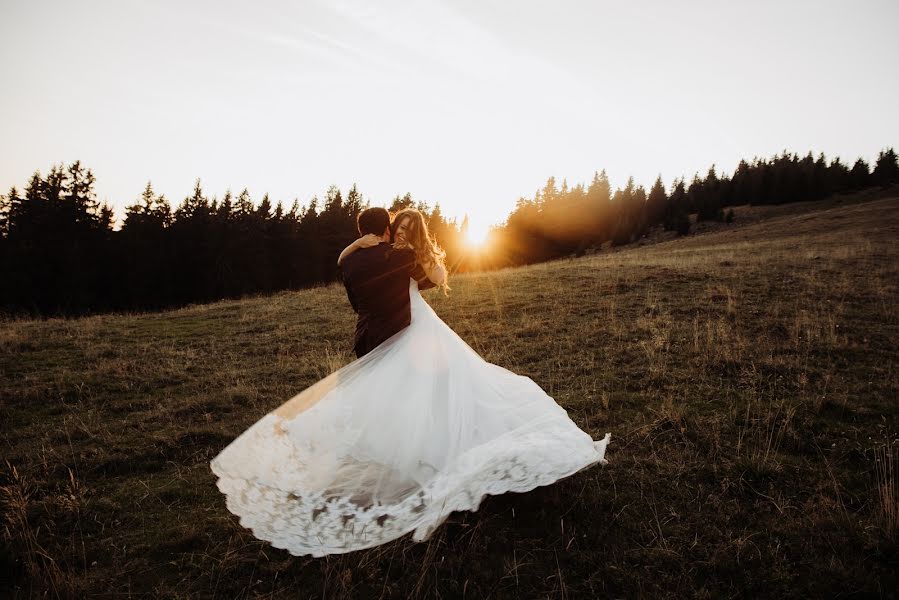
{"x": 471, "y": 104}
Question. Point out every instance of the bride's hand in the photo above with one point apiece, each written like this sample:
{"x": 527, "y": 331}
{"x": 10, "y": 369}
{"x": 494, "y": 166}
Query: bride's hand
{"x": 368, "y": 240}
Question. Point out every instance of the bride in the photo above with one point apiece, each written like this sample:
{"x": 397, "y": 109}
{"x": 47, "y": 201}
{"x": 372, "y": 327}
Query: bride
{"x": 395, "y": 441}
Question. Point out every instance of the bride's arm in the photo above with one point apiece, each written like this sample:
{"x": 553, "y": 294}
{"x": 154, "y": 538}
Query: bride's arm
{"x": 366, "y": 241}
{"x": 436, "y": 273}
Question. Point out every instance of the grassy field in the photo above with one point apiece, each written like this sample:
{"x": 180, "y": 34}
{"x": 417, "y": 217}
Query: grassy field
{"x": 747, "y": 376}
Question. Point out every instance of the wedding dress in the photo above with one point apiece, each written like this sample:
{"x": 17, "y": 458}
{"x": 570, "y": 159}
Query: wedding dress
{"x": 394, "y": 442}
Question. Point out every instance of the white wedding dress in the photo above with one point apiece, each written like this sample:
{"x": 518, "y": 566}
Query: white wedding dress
{"x": 394, "y": 442}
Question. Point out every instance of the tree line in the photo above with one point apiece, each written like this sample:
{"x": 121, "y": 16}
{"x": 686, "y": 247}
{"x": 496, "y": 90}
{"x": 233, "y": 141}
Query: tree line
{"x": 560, "y": 220}
{"x": 60, "y": 254}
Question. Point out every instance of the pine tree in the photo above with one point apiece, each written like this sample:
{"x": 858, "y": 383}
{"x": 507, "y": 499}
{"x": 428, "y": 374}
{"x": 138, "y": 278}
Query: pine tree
{"x": 150, "y": 212}
{"x": 838, "y": 178}
{"x": 79, "y": 194}
{"x": 676, "y": 211}
{"x": 401, "y": 202}
{"x": 354, "y": 204}
{"x": 264, "y": 211}
{"x": 6, "y": 208}
{"x": 820, "y": 184}
{"x": 886, "y": 169}
{"x": 599, "y": 198}
{"x": 244, "y": 204}
{"x": 859, "y": 176}
{"x": 656, "y": 202}
{"x": 226, "y": 211}
{"x": 705, "y": 196}
{"x": 194, "y": 206}
{"x": 639, "y": 218}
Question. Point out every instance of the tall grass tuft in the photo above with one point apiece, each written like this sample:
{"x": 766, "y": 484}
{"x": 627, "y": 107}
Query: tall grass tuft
{"x": 887, "y": 490}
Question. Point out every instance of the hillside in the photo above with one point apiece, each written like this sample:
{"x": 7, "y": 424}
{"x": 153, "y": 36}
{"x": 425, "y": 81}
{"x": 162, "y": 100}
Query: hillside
{"x": 747, "y": 376}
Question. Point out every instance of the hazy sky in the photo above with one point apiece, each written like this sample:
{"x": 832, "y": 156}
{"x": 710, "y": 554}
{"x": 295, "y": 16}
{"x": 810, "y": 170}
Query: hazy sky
{"x": 469, "y": 103}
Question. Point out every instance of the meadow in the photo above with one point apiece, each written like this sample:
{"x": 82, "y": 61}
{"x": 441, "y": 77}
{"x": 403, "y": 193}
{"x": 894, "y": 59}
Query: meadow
{"x": 747, "y": 375}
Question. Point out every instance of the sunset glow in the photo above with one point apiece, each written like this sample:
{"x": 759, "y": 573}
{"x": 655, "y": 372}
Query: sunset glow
{"x": 477, "y": 233}
{"x": 467, "y": 104}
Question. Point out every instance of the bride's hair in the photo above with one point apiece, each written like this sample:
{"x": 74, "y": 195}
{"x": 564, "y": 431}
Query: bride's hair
{"x": 427, "y": 252}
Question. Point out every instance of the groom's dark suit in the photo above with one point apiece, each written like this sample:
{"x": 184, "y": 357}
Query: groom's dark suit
{"x": 377, "y": 284}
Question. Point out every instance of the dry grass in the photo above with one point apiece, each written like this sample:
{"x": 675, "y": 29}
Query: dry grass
{"x": 887, "y": 490}
{"x": 748, "y": 375}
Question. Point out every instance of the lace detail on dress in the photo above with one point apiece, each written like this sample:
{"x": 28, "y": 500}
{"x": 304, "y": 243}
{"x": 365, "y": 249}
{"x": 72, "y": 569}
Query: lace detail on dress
{"x": 271, "y": 483}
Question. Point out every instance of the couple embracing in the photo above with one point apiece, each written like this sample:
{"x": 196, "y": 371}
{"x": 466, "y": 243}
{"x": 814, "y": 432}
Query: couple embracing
{"x": 419, "y": 426}
{"x": 378, "y": 269}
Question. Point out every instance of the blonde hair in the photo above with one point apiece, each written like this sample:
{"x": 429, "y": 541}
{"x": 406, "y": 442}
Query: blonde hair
{"x": 427, "y": 252}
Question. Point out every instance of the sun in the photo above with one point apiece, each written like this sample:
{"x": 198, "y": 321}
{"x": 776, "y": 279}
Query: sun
{"x": 476, "y": 235}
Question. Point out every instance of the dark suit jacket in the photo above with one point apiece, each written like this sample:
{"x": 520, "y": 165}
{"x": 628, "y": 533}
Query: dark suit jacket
{"x": 377, "y": 284}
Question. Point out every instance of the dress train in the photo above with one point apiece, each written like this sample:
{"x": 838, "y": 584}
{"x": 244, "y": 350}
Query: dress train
{"x": 394, "y": 442}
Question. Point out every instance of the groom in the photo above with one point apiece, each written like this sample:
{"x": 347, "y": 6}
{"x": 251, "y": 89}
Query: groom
{"x": 377, "y": 283}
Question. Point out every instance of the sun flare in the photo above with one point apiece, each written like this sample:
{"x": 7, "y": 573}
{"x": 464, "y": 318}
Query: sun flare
{"x": 476, "y": 235}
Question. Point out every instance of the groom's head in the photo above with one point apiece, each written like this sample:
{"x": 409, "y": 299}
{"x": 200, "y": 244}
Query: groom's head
{"x": 374, "y": 220}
